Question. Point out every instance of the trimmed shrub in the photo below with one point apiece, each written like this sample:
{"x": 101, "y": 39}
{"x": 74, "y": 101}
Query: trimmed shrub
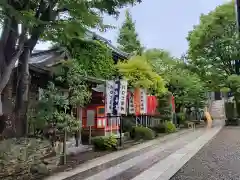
{"x": 22, "y": 158}
{"x": 170, "y": 127}
{"x": 182, "y": 117}
{"x": 104, "y": 143}
{"x": 160, "y": 128}
{"x": 229, "y": 110}
{"x": 128, "y": 123}
{"x": 142, "y": 133}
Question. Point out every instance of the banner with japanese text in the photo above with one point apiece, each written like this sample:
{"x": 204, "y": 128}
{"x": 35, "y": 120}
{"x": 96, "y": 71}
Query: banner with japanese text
{"x": 122, "y": 105}
{"x": 131, "y": 109}
{"x": 116, "y": 98}
{"x": 143, "y": 101}
{"x": 109, "y": 96}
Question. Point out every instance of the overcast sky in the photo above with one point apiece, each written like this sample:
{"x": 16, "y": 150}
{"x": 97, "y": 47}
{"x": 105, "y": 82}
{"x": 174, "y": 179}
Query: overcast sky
{"x": 162, "y": 23}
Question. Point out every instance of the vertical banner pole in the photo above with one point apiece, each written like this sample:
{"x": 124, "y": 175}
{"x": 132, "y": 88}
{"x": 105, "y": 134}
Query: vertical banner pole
{"x": 146, "y": 121}
{"x": 111, "y": 125}
{"x": 90, "y": 134}
{"x": 120, "y": 131}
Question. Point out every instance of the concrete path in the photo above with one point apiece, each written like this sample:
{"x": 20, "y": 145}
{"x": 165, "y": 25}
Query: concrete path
{"x": 159, "y": 159}
{"x": 218, "y": 160}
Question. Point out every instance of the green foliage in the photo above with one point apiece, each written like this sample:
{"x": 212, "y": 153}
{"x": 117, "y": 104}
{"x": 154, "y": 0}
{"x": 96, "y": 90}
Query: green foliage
{"x": 104, "y": 143}
{"x": 160, "y": 128}
{"x": 229, "y": 110}
{"x": 94, "y": 57}
{"x": 186, "y": 86}
{"x": 166, "y": 127}
{"x": 70, "y": 75}
{"x": 128, "y": 37}
{"x": 162, "y": 62}
{"x": 188, "y": 89}
{"x": 51, "y": 116}
{"x": 213, "y": 45}
{"x": 128, "y": 123}
{"x": 139, "y": 73}
{"x": 51, "y": 112}
{"x": 54, "y": 20}
{"x": 233, "y": 82}
{"x": 21, "y": 158}
{"x": 81, "y": 15}
{"x": 141, "y": 132}
{"x": 170, "y": 127}
{"x": 182, "y": 117}
{"x": 164, "y": 106}
{"x": 225, "y": 90}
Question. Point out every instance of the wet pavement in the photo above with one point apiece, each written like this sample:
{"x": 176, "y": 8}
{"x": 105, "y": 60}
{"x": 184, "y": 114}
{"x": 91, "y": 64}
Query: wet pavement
{"x": 157, "y": 159}
{"x": 217, "y": 160}
{"x": 140, "y": 152}
{"x": 133, "y": 164}
{"x": 153, "y": 159}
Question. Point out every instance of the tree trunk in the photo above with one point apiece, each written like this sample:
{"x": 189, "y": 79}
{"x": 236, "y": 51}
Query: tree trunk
{"x": 22, "y": 89}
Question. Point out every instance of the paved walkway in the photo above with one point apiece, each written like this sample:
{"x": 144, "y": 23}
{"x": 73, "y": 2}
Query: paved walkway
{"x": 159, "y": 159}
{"x": 218, "y": 160}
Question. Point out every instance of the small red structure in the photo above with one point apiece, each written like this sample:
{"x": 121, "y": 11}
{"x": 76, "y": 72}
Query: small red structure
{"x": 102, "y": 124}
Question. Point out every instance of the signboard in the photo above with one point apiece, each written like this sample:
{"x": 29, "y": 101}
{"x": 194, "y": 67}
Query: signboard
{"x": 143, "y": 101}
{"x": 90, "y": 117}
{"x": 109, "y": 96}
{"x": 122, "y": 106}
{"x": 131, "y": 108}
{"x": 116, "y": 98}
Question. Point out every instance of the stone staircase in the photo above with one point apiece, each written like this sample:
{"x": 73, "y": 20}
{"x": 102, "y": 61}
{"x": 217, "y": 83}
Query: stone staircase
{"x": 217, "y": 110}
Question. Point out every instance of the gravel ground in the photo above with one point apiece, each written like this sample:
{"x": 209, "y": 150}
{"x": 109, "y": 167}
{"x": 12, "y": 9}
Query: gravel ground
{"x": 217, "y": 160}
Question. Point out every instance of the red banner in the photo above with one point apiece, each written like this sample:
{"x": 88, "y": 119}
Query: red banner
{"x": 151, "y": 105}
{"x": 137, "y": 101}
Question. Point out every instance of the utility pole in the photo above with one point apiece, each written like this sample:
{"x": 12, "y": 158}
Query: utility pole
{"x": 237, "y": 11}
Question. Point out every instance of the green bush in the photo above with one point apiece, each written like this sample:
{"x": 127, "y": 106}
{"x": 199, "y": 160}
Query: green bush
{"x": 160, "y": 128}
{"x": 170, "y": 127}
{"x": 142, "y": 133}
{"x": 182, "y": 117}
{"x": 22, "y": 158}
{"x": 229, "y": 110}
{"x": 128, "y": 123}
{"x": 104, "y": 143}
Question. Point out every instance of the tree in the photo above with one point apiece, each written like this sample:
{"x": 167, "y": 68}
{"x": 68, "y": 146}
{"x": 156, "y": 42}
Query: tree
{"x": 140, "y": 74}
{"x": 188, "y": 89}
{"x": 52, "y": 19}
{"x": 128, "y": 37}
{"x": 214, "y": 46}
{"x": 54, "y": 116}
{"x": 162, "y": 62}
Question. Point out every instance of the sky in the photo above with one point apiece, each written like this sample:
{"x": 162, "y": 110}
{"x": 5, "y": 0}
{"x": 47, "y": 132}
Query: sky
{"x": 162, "y": 23}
